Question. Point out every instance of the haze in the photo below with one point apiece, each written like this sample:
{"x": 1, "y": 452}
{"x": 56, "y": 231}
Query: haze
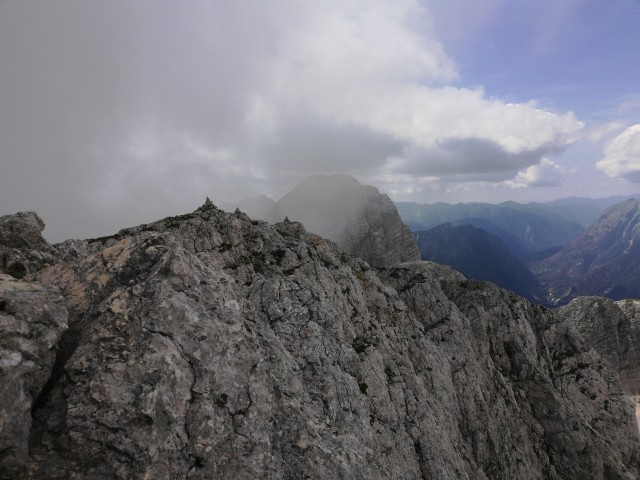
{"x": 116, "y": 113}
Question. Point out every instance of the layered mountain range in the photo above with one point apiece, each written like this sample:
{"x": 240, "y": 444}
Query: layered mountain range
{"x": 602, "y": 260}
{"x": 532, "y": 227}
{"x": 211, "y": 345}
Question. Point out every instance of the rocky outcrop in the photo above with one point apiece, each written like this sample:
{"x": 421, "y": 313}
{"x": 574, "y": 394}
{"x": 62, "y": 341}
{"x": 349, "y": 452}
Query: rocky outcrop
{"x": 603, "y": 261}
{"x": 211, "y": 345}
{"x": 521, "y": 376}
{"x": 32, "y": 320}
{"x": 22, "y": 248}
{"x": 357, "y": 217}
{"x": 613, "y": 329}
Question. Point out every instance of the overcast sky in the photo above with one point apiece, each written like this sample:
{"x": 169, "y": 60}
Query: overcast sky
{"x": 114, "y": 113}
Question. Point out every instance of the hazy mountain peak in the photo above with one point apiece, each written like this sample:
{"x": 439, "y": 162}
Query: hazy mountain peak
{"x": 357, "y": 217}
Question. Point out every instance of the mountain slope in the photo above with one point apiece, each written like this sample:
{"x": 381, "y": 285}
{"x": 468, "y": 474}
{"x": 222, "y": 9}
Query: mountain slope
{"x": 357, "y": 217}
{"x": 479, "y": 255}
{"x": 210, "y": 345}
{"x": 604, "y": 260}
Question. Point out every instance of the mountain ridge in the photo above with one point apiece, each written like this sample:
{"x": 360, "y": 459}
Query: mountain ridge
{"x": 211, "y": 344}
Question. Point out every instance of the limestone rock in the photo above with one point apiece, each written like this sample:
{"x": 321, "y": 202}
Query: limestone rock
{"x": 528, "y": 389}
{"x": 211, "y": 345}
{"x": 613, "y": 329}
{"x": 32, "y": 319}
{"x": 22, "y": 248}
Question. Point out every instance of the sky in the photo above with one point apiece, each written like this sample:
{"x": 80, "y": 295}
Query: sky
{"x": 121, "y": 112}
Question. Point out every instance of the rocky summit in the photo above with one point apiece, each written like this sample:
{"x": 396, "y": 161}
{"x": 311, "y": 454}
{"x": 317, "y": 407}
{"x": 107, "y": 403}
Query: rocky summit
{"x": 211, "y": 345}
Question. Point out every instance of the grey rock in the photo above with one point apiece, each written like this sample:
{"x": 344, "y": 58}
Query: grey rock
{"x": 32, "y": 319}
{"x": 23, "y": 250}
{"x": 357, "y": 217}
{"x": 528, "y": 390}
{"x": 613, "y": 329}
{"x": 211, "y": 345}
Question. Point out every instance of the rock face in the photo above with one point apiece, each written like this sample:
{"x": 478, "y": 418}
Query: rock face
{"x": 604, "y": 260}
{"x": 479, "y": 255}
{"x": 213, "y": 346}
{"x": 613, "y": 329}
{"x": 357, "y": 217}
{"x": 32, "y": 320}
{"x": 22, "y": 248}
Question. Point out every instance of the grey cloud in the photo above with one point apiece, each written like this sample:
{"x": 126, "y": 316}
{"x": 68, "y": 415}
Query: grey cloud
{"x": 309, "y": 144}
{"x": 471, "y": 159}
{"x": 81, "y": 79}
{"x": 631, "y": 176}
{"x": 86, "y": 87}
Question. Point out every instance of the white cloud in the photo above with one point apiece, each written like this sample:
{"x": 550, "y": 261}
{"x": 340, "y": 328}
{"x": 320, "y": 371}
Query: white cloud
{"x": 599, "y": 132}
{"x": 622, "y": 155}
{"x": 545, "y": 174}
{"x": 375, "y": 71}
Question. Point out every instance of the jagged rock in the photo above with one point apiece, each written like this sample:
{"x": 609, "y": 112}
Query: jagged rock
{"x": 22, "y": 249}
{"x": 613, "y": 329}
{"x": 32, "y": 319}
{"x": 213, "y": 346}
{"x": 528, "y": 391}
{"x": 357, "y": 217}
{"x": 22, "y": 229}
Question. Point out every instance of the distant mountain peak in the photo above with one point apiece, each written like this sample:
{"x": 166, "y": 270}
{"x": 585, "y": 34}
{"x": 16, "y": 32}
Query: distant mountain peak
{"x": 604, "y": 260}
{"x": 357, "y": 217}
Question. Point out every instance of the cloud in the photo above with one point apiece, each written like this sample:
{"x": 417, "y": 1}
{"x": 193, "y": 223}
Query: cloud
{"x": 545, "y": 174}
{"x": 471, "y": 157}
{"x": 622, "y": 155}
{"x": 598, "y": 132}
{"x": 119, "y": 112}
